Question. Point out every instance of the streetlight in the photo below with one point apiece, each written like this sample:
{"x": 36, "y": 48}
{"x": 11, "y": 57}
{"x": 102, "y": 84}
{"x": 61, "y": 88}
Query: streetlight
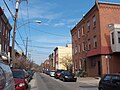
{"x": 36, "y": 21}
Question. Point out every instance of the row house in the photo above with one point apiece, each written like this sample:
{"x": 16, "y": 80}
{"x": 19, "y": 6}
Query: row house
{"x": 5, "y": 29}
{"x": 92, "y": 41}
{"x": 47, "y": 64}
{"x": 59, "y": 53}
{"x": 51, "y": 60}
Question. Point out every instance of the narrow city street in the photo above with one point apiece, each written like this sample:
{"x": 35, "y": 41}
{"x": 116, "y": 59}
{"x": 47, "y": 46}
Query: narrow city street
{"x": 44, "y": 82}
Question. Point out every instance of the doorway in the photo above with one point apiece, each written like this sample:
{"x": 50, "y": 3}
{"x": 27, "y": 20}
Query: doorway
{"x": 99, "y": 69}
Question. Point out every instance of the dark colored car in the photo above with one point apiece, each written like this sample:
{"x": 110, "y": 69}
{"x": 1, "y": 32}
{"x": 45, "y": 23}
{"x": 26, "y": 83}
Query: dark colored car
{"x": 67, "y": 76}
{"x": 110, "y": 82}
{"x": 20, "y": 78}
{"x": 58, "y": 73}
{"x": 30, "y": 74}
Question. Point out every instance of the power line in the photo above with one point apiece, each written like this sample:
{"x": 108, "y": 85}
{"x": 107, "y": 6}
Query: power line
{"x": 17, "y": 44}
{"x": 9, "y": 10}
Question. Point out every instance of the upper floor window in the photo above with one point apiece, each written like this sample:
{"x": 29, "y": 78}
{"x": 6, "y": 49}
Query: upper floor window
{"x": 6, "y": 33}
{"x": 88, "y": 23}
{"x": 95, "y": 41}
{"x": 78, "y": 33}
{"x": 75, "y": 49}
{"x": 89, "y": 44}
{"x": 94, "y": 21}
{"x": 118, "y": 37}
{"x": 3, "y": 29}
{"x": 112, "y": 35}
{"x": 83, "y": 46}
{"x": 0, "y": 25}
{"x": 83, "y": 32}
{"x": 79, "y": 48}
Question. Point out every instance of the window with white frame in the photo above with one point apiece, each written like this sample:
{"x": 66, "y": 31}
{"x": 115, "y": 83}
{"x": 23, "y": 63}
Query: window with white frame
{"x": 83, "y": 32}
{"x": 79, "y": 48}
{"x": 119, "y": 37}
{"x": 75, "y": 49}
{"x": 94, "y": 20}
{"x": 95, "y": 41}
{"x": 88, "y": 23}
{"x": 78, "y": 33}
{"x": 83, "y": 46}
{"x": 89, "y": 44}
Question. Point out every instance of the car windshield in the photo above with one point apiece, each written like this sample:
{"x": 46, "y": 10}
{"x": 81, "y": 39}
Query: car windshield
{"x": 18, "y": 74}
{"x": 68, "y": 73}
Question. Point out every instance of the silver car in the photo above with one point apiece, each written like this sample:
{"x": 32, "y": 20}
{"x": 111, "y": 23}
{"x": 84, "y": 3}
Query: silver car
{"x": 6, "y": 77}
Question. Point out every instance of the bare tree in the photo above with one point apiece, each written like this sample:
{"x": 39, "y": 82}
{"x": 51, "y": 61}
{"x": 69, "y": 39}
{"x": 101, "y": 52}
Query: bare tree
{"x": 66, "y": 61}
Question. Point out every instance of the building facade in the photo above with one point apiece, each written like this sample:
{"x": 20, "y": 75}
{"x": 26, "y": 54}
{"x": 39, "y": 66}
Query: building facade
{"x": 5, "y": 29}
{"x": 91, "y": 45}
{"x": 61, "y": 52}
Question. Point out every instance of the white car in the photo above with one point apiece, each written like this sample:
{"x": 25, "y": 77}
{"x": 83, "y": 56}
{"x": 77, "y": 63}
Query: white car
{"x": 52, "y": 73}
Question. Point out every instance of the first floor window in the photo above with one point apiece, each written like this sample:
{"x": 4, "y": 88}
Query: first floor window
{"x": 119, "y": 37}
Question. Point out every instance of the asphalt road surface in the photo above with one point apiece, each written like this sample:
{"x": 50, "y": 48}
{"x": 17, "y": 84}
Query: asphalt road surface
{"x": 44, "y": 82}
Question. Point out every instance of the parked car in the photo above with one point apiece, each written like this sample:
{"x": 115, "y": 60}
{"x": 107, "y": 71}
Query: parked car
{"x": 67, "y": 76}
{"x": 6, "y": 77}
{"x": 110, "y": 82}
{"x": 58, "y": 73}
{"x": 20, "y": 78}
{"x": 52, "y": 73}
{"x": 30, "y": 74}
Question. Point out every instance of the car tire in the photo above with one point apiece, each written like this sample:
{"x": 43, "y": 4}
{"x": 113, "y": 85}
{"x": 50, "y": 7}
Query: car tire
{"x": 63, "y": 80}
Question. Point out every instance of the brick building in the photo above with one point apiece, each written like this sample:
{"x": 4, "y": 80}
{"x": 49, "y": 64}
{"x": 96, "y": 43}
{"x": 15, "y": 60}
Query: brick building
{"x": 91, "y": 46}
{"x": 5, "y": 29}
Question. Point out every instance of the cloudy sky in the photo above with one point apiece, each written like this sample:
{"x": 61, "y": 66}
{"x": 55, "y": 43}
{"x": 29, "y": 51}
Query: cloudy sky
{"x": 58, "y": 18}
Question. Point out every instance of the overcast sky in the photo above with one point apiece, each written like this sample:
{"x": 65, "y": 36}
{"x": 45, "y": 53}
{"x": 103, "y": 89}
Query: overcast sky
{"x": 58, "y": 18}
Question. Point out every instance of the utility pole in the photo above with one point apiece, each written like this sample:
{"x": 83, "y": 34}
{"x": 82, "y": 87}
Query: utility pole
{"x": 14, "y": 30}
{"x": 26, "y": 45}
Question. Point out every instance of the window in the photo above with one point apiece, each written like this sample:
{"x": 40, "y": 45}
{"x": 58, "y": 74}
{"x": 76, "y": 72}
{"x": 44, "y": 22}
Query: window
{"x": 95, "y": 41}
{"x": 0, "y": 25}
{"x": 88, "y": 23}
{"x": 3, "y": 29}
{"x": 112, "y": 36}
{"x": 78, "y": 33}
{"x": 3, "y": 46}
{"x": 94, "y": 21}
{"x": 83, "y": 46}
{"x": 83, "y": 32}
{"x": 79, "y": 48}
{"x": 89, "y": 45}
{"x": 75, "y": 49}
{"x": 107, "y": 78}
{"x": 119, "y": 37}
{"x": 6, "y": 33}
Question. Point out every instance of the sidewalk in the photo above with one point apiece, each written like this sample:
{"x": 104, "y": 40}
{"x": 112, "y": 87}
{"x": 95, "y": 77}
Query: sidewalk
{"x": 32, "y": 84}
{"x": 89, "y": 80}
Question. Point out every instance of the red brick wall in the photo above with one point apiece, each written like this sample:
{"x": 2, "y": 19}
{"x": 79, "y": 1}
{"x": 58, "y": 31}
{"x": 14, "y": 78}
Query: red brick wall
{"x": 108, "y": 14}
